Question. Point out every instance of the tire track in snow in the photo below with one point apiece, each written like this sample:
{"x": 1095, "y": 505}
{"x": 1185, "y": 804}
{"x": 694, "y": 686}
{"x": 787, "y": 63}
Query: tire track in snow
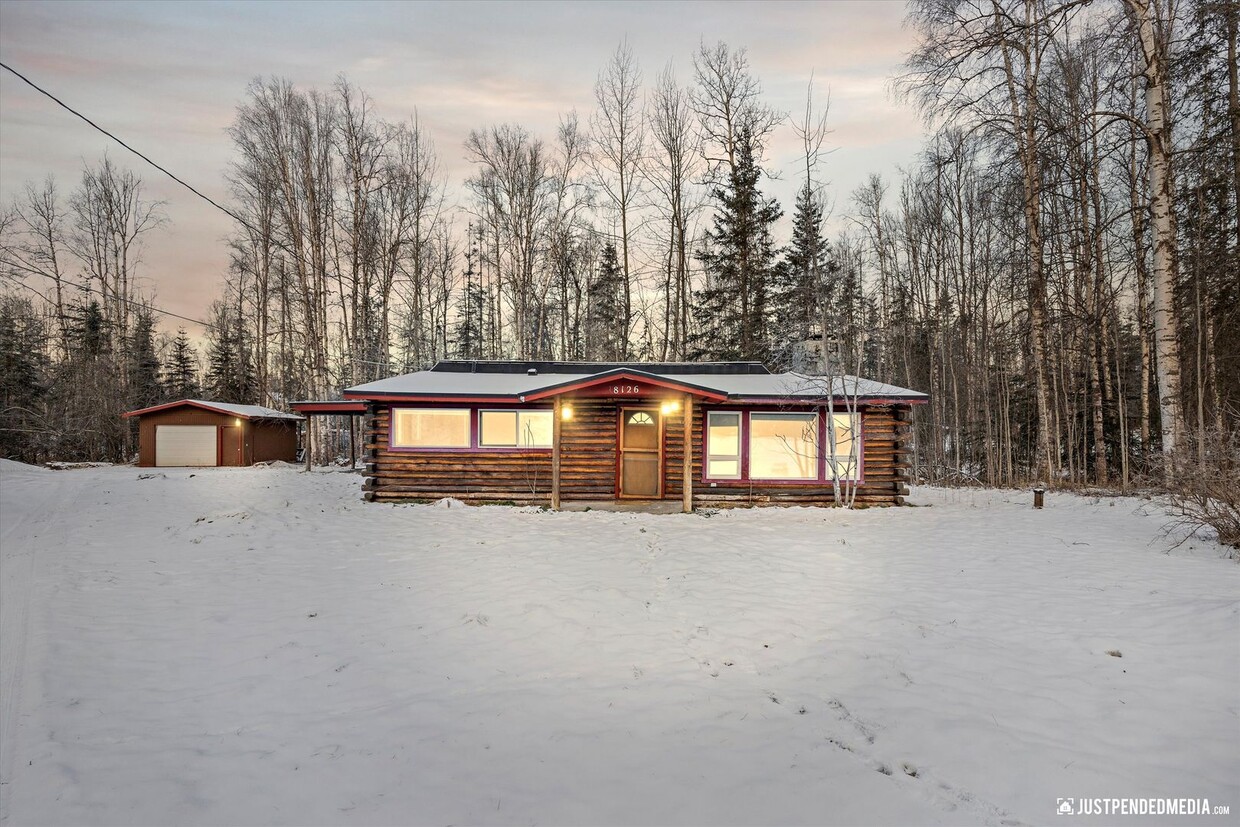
{"x": 34, "y": 494}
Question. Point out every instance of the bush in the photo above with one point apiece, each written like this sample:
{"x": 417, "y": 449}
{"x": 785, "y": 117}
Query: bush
{"x": 1204, "y": 486}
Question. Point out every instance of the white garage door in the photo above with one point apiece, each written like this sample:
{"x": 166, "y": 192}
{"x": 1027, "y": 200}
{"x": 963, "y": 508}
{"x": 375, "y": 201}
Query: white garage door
{"x": 185, "y": 445}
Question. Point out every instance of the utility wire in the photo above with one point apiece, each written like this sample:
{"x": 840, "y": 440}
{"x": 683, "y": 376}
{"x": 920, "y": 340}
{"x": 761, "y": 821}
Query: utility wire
{"x": 144, "y": 157}
{"x": 87, "y": 288}
{"x": 73, "y": 111}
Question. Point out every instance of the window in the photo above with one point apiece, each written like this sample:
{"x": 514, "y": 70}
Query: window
{"x": 430, "y": 428}
{"x": 723, "y": 441}
{"x": 514, "y": 429}
{"x": 841, "y": 448}
{"x": 783, "y": 446}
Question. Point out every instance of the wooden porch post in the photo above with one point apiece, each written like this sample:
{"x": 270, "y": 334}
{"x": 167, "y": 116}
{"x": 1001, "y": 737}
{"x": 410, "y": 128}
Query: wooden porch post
{"x": 309, "y": 441}
{"x": 688, "y": 454}
{"x": 352, "y": 443}
{"x": 556, "y": 430}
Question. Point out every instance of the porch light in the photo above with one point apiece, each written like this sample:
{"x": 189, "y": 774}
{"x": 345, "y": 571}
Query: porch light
{"x": 670, "y": 407}
{"x": 566, "y": 413}
{"x": 237, "y": 421}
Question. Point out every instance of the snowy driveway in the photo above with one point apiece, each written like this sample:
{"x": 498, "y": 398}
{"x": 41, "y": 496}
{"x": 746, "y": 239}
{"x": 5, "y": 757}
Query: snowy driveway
{"x": 257, "y": 646}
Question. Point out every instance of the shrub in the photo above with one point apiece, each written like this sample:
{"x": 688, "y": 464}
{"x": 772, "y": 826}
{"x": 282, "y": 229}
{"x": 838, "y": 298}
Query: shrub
{"x": 1204, "y": 486}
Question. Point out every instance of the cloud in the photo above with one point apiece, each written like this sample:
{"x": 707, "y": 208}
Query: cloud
{"x": 167, "y": 77}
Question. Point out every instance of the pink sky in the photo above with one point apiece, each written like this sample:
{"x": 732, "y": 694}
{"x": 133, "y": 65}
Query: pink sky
{"x": 167, "y": 77}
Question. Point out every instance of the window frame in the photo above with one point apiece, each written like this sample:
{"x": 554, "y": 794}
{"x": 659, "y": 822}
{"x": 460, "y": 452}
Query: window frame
{"x": 822, "y": 414}
{"x": 829, "y": 458}
{"x": 708, "y": 456}
{"x": 817, "y": 429}
{"x": 475, "y": 425}
{"x": 480, "y": 446}
{"x": 397, "y": 410}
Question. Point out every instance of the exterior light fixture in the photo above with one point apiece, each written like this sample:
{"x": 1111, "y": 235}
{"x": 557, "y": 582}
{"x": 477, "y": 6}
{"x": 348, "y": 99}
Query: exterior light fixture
{"x": 237, "y": 421}
{"x": 670, "y": 407}
{"x": 566, "y": 413}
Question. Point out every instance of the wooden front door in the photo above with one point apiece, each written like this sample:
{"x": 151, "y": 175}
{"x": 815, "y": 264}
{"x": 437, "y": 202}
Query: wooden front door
{"x": 641, "y": 453}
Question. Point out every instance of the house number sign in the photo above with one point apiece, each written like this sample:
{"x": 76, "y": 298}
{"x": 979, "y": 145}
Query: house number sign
{"x": 625, "y": 390}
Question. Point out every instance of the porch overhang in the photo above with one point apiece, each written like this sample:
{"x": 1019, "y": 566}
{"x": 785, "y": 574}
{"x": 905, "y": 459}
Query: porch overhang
{"x": 342, "y": 407}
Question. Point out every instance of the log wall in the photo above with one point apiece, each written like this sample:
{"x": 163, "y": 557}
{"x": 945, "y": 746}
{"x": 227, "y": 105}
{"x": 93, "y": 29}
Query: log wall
{"x": 588, "y": 466}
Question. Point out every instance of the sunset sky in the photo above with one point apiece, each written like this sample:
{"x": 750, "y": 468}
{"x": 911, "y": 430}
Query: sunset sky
{"x": 167, "y": 76}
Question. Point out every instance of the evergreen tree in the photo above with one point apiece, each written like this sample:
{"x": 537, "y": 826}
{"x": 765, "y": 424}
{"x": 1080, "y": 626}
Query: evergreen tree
{"x": 88, "y": 330}
{"x": 181, "y": 372}
{"x": 145, "y": 388}
{"x": 230, "y": 374}
{"x": 805, "y": 281}
{"x": 89, "y": 392}
{"x": 605, "y": 324}
{"x": 733, "y": 312}
{"x": 23, "y": 379}
{"x": 471, "y": 313}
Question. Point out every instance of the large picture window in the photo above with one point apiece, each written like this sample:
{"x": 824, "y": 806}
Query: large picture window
{"x": 841, "y": 449}
{"x": 430, "y": 428}
{"x": 514, "y": 429}
{"x": 783, "y": 446}
{"x": 723, "y": 441}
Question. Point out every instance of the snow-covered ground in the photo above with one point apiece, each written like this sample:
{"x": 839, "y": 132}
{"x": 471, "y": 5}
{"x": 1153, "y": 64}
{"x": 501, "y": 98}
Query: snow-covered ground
{"x": 258, "y": 646}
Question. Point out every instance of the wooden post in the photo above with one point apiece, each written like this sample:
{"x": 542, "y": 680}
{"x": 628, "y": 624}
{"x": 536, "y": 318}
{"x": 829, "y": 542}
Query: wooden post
{"x": 557, "y": 429}
{"x": 308, "y": 447}
{"x": 1037, "y": 496}
{"x": 688, "y": 454}
{"x": 352, "y": 443}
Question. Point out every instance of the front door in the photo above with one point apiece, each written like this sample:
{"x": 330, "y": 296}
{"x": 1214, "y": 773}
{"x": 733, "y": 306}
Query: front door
{"x": 641, "y": 455}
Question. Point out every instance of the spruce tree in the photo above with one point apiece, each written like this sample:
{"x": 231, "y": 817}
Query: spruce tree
{"x": 733, "y": 312}
{"x": 181, "y": 372}
{"x": 230, "y": 374}
{"x": 607, "y": 333}
{"x": 143, "y": 368}
{"x": 471, "y": 313}
{"x": 805, "y": 281}
{"x": 24, "y": 380}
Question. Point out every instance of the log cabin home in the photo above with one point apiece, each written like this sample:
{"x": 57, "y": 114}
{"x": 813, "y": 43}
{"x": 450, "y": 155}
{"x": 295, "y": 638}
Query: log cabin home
{"x": 573, "y": 433}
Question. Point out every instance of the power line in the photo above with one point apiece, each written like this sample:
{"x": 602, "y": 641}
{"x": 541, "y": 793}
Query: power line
{"x": 78, "y": 114}
{"x": 164, "y": 170}
{"x": 88, "y": 289}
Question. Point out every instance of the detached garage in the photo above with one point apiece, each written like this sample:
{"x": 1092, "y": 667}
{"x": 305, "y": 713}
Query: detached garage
{"x": 193, "y": 433}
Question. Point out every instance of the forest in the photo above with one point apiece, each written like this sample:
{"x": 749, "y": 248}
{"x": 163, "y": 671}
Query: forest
{"x": 1060, "y": 270}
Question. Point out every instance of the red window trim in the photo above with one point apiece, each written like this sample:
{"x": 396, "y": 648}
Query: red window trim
{"x": 475, "y": 424}
{"x": 823, "y": 477}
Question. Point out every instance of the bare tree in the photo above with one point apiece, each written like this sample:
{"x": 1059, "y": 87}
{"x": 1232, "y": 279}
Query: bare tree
{"x": 671, "y": 170}
{"x": 33, "y": 244}
{"x": 513, "y": 184}
{"x": 727, "y": 100}
{"x": 1153, "y": 21}
{"x": 110, "y": 217}
{"x": 619, "y": 143}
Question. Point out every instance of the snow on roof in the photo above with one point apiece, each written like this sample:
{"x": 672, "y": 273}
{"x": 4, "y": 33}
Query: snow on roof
{"x": 243, "y": 411}
{"x": 484, "y": 383}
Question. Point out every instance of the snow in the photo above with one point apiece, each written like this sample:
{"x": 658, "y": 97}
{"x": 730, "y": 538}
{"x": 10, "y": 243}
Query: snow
{"x": 244, "y": 411}
{"x": 500, "y": 383}
{"x": 258, "y": 646}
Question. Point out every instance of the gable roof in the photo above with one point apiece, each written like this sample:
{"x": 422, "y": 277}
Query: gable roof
{"x": 479, "y": 381}
{"x": 226, "y": 408}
